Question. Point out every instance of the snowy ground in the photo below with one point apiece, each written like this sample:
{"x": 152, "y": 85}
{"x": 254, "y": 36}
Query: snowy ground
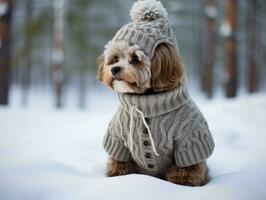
{"x": 47, "y": 154}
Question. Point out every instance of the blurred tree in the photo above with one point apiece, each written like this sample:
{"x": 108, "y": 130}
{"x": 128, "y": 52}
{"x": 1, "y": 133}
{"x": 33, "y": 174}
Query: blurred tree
{"x": 207, "y": 72}
{"x": 33, "y": 22}
{"x": 89, "y": 25}
{"x": 58, "y": 51}
{"x": 78, "y": 43}
{"x": 230, "y": 47}
{"x": 5, "y": 41}
{"x": 261, "y": 42}
{"x": 26, "y": 57}
{"x": 252, "y": 48}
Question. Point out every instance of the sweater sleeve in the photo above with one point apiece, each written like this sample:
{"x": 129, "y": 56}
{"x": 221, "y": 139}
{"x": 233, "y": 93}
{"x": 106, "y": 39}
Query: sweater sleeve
{"x": 195, "y": 148}
{"x": 114, "y": 144}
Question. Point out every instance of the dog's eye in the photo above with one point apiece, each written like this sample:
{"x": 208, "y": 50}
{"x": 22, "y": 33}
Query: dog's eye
{"x": 114, "y": 60}
{"x": 135, "y": 60}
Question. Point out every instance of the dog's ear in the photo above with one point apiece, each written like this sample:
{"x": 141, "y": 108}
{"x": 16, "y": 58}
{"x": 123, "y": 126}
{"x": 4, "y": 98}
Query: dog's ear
{"x": 167, "y": 69}
{"x": 100, "y": 63}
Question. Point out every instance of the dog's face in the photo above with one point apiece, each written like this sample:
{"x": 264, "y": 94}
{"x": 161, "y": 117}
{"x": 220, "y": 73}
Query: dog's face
{"x": 127, "y": 69}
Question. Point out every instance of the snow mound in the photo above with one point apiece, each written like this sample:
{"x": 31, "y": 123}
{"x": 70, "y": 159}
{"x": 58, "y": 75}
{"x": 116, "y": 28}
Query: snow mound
{"x": 58, "y": 155}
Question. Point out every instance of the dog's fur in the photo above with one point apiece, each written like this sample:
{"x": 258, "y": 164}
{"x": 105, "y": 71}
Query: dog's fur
{"x": 141, "y": 75}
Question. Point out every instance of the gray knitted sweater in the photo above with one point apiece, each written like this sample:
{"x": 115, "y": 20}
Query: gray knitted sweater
{"x": 158, "y": 129}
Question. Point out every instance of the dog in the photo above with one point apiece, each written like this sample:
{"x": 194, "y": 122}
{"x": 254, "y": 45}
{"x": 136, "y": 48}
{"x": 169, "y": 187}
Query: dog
{"x": 158, "y": 130}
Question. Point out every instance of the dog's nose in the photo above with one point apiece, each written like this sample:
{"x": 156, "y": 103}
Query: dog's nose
{"x": 115, "y": 70}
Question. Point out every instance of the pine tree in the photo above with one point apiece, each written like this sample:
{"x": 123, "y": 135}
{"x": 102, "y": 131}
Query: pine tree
{"x": 58, "y": 52}
{"x": 5, "y": 51}
{"x": 26, "y": 58}
{"x": 252, "y": 48}
{"x": 230, "y": 47}
{"x": 207, "y": 77}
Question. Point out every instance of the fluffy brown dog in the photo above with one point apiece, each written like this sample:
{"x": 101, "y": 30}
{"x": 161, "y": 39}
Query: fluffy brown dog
{"x": 128, "y": 70}
{"x": 138, "y": 75}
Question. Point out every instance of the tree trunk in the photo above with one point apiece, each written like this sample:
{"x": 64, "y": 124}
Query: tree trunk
{"x": 58, "y": 51}
{"x": 26, "y": 60}
{"x": 252, "y": 59}
{"x": 207, "y": 77}
{"x": 5, "y": 52}
{"x": 201, "y": 43}
{"x": 230, "y": 48}
{"x": 82, "y": 90}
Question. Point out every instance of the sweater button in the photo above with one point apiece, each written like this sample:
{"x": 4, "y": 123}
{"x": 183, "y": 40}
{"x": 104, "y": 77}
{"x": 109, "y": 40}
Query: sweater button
{"x": 150, "y": 166}
{"x": 146, "y": 143}
{"x": 147, "y": 155}
{"x": 145, "y": 131}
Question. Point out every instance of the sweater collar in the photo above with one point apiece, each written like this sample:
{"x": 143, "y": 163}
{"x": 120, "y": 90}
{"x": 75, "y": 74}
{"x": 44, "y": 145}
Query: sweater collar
{"x": 153, "y": 105}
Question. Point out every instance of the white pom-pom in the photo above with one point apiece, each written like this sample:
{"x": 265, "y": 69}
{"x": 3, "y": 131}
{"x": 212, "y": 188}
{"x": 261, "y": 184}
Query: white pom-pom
{"x": 147, "y": 10}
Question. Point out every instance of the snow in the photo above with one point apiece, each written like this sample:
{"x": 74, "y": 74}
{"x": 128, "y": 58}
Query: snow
{"x": 3, "y": 8}
{"x": 211, "y": 12}
{"x": 58, "y": 155}
{"x": 226, "y": 29}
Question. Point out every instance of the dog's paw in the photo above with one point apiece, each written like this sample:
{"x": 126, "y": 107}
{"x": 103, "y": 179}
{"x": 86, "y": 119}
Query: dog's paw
{"x": 194, "y": 175}
{"x": 117, "y": 168}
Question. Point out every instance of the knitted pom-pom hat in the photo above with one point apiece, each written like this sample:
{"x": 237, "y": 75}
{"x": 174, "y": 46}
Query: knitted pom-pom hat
{"x": 149, "y": 27}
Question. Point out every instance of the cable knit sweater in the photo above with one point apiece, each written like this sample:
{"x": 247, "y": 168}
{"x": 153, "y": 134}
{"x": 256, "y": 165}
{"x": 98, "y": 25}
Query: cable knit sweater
{"x": 173, "y": 130}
